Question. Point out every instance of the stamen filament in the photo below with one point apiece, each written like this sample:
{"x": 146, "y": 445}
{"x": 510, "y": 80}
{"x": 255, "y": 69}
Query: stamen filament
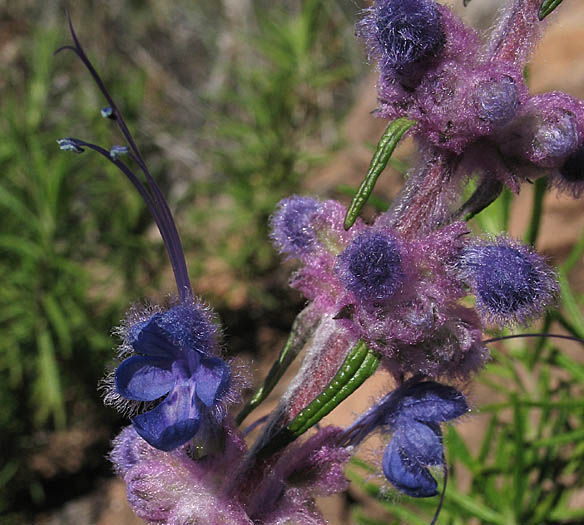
{"x": 156, "y": 202}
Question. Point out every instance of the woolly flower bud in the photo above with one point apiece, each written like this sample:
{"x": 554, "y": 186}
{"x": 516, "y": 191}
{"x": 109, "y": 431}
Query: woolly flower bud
{"x": 190, "y": 324}
{"x": 292, "y": 232}
{"x": 512, "y": 283}
{"x": 174, "y": 489}
{"x": 371, "y": 266}
{"x": 555, "y": 139}
{"x": 406, "y": 33}
{"x": 549, "y": 129}
{"x": 497, "y": 101}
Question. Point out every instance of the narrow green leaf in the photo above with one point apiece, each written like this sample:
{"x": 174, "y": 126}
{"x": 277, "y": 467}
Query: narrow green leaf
{"x": 361, "y": 519}
{"x": 571, "y": 515}
{"x": 8, "y": 471}
{"x": 357, "y": 461}
{"x": 359, "y": 364}
{"x": 547, "y": 7}
{"x": 389, "y": 140}
{"x": 58, "y": 322}
{"x": 575, "y": 255}
{"x": 536, "y": 211}
{"x": 488, "y": 438}
{"x": 48, "y": 384}
{"x": 571, "y": 366}
{"x": 567, "y": 437}
{"x": 519, "y": 478}
{"x": 566, "y": 404}
{"x": 570, "y": 303}
{"x": 21, "y": 246}
{"x": 17, "y": 206}
{"x": 473, "y": 507}
{"x": 459, "y": 450}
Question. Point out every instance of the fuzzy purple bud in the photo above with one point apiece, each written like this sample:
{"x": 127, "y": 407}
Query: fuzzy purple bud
{"x": 371, "y": 266}
{"x": 548, "y": 129}
{"x": 555, "y": 139}
{"x": 408, "y": 34}
{"x": 512, "y": 283}
{"x": 497, "y": 101}
{"x": 292, "y": 232}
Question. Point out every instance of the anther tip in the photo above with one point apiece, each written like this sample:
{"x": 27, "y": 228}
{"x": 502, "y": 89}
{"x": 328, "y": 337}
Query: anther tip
{"x": 68, "y": 144}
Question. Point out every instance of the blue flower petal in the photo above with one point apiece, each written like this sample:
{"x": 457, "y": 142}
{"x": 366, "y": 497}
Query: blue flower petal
{"x": 172, "y": 423}
{"x": 144, "y": 378}
{"x": 212, "y": 380}
{"x": 153, "y": 341}
{"x": 407, "y": 475}
{"x": 420, "y": 442}
{"x": 429, "y": 401}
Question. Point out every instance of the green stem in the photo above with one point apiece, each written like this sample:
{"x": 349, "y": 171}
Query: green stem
{"x": 302, "y": 329}
{"x": 536, "y": 212}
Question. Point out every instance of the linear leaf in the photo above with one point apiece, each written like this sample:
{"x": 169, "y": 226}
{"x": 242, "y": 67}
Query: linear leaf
{"x": 389, "y": 140}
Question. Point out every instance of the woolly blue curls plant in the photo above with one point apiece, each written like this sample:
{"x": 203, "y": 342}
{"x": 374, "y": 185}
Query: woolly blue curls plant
{"x": 392, "y": 293}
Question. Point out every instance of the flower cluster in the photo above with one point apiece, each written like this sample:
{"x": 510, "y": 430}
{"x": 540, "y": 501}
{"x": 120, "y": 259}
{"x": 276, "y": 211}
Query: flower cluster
{"x": 404, "y": 296}
{"x": 470, "y": 99}
{"x": 413, "y": 291}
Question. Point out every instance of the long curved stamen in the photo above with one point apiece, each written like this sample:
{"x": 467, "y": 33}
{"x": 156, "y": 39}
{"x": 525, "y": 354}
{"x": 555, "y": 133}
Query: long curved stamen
{"x": 437, "y": 513}
{"x": 518, "y": 336}
{"x": 158, "y": 206}
{"x": 255, "y": 424}
{"x": 70, "y": 143}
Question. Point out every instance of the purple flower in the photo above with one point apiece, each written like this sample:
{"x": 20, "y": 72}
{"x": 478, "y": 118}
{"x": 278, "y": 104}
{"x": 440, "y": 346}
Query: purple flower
{"x": 292, "y": 232}
{"x": 407, "y": 34}
{"x": 511, "y": 282}
{"x": 413, "y": 413}
{"x": 371, "y": 266}
{"x": 173, "y": 360}
{"x": 417, "y": 439}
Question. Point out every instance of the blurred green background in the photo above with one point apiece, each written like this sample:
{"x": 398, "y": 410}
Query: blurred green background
{"x": 235, "y": 105}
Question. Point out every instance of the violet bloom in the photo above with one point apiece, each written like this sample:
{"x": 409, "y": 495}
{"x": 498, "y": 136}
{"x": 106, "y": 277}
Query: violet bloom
{"x": 173, "y": 359}
{"x": 511, "y": 282}
{"x": 413, "y": 412}
{"x": 174, "y": 352}
{"x": 417, "y": 439}
{"x": 371, "y": 266}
